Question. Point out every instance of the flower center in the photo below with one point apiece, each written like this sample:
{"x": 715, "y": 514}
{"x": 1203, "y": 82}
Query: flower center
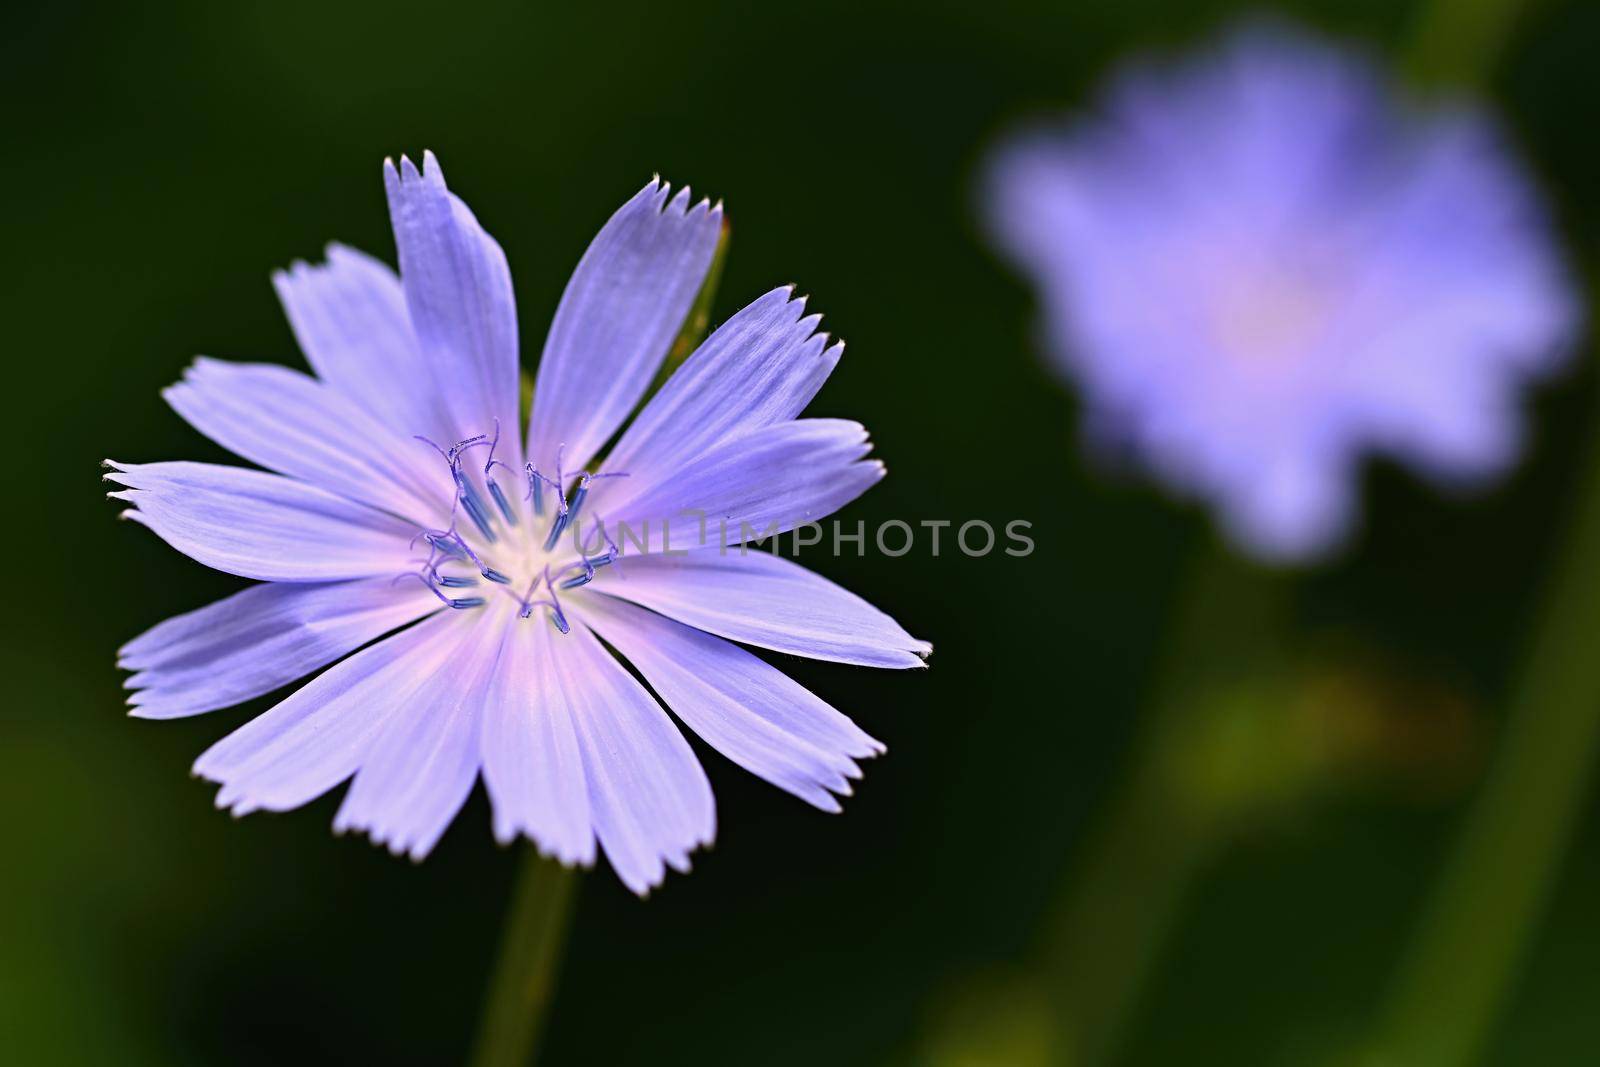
{"x": 501, "y": 543}
{"x": 1268, "y": 316}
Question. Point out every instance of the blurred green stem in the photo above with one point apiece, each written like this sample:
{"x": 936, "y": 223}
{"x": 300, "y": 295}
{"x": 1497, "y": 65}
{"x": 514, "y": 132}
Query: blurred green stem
{"x": 1454, "y": 983}
{"x": 530, "y": 955}
{"x": 1455, "y": 42}
{"x": 541, "y": 904}
{"x": 1140, "y": 862}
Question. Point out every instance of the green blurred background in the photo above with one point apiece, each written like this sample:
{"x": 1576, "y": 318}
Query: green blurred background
{"x": 161, "y": 159}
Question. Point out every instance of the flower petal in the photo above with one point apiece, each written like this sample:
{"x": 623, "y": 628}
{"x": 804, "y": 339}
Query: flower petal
{"x": 349, "y": 315}
{"x": 261, "y": 525}
{"x": 759, "y": 368}
{"x": 293, "y": 424}
{"x": 424, "y": 761}
{"x": 458, "y": 290}
{"x": 261, "y": 638}
{"x": 769, "y": 481}
{"x": 752, "y": 713}
{"x": 627, "y": 300}
{"x": 1291, "y": 505}
{"x": 532, "y": 765}
{"x": 316, "y": 738}
{"x": 649, "y": 796}
{"x": 762, "y": 599}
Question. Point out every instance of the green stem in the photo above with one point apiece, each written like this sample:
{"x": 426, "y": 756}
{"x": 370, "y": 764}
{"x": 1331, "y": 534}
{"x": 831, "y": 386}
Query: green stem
{"x": 541, "y": 905}
{"x": 524, "y": 979}
{"x": 1456, "y": 42}
{"x": 1454, "y": 984}
{"x": 1140, "y": 863}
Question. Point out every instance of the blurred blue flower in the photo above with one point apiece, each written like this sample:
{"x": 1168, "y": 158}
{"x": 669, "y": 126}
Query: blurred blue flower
{"x": 1259, "y": 264}
{"x": 400, "y": 509}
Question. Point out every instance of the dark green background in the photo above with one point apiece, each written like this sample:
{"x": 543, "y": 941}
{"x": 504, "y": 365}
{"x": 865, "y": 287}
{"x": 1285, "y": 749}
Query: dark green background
{"x": 159, "y": 160}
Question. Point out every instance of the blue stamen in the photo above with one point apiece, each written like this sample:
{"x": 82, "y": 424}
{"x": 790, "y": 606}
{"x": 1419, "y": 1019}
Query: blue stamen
{"x": 572, "y": 507}
{"x": 446, "y": 546}
{"x": 502, "y": 503}
{"x": 467, "y": 552}
{"x": 556, "y": 614}
{"x": 577, "y": 498}
{"x": 535, "y": 488}
{"x": 424, "y": 579}
{"x": 588, "y": 565}
{"x": 449, "y": 545}
{"x": 613, "y": 553}
{"x": 556, "y": 529}
{"x": 558, "y": 526}
{"x": 526, "y": 600}
{"x": 494, "y": 488}
{"x": 475, "y": 509}
{"x": 459, "y": 603}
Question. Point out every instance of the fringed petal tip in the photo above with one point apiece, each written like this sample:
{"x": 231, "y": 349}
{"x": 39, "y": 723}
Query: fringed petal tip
{"x": 230, "y": 798}
{"x": 643, "y": 886}
{"x": 659, "y": 191}
{"x": 304, "y": 272}
{"x": 144, "y": 714}
{"x": 198, "y": 368}
{"x": 912, "y": 657}
{"x": 848, "y": 771}
{"x": 407, "y": 171}
{"x": 795, "y": 303}
{"x": 118, "y": 474}
{"x": 396, "y": 844}
{"x": 129, "y": 475}
{"x": 810, "y": 329}
{"x": 506, "y": 834}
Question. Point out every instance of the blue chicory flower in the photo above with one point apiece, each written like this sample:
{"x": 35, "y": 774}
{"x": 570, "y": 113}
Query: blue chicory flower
{"x": 478, "y": 575}
{"x": 1260, "y": 264}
